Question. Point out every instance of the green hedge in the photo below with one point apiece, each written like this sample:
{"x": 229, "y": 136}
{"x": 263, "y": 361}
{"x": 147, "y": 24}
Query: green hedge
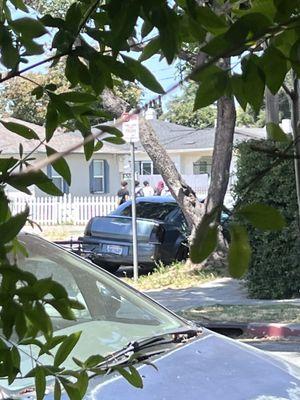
{"x": 274, "y": 272}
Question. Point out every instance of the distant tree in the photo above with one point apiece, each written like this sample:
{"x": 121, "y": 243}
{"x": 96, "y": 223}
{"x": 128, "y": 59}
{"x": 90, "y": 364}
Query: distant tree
{"x": 249, "y": 118}
{"x": 180, "y": 111}
{"x": 17, "y": 101}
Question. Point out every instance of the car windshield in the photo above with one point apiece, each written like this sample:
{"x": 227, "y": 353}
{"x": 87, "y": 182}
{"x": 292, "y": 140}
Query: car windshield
{"x": 150, "y": 210}
{"x": 114, "y": 313}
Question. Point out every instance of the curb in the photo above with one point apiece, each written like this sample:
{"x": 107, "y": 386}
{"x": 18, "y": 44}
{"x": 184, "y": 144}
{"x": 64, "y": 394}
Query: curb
{"x": 254, "y": 330}
{"x": 272, "y": 330}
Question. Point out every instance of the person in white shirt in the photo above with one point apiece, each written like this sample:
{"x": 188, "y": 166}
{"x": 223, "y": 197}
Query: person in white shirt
{"x": 147, "y": 189}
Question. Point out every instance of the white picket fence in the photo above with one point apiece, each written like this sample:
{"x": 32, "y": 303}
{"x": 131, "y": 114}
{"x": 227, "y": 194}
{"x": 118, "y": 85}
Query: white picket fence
{"x": 69, "y": 209}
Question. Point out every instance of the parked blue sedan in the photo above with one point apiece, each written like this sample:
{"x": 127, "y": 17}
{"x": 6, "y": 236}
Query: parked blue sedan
{"x": 118, "y": 322}
{"x": 161, "y": 228}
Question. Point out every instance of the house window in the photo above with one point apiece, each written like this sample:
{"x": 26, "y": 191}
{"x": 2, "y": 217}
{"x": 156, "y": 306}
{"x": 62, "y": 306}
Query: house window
{"x": 145, "y": 167}
{"x": 97, "y": 176}
{"x": 200, "y": 167}
{"x": 57, "y": 179}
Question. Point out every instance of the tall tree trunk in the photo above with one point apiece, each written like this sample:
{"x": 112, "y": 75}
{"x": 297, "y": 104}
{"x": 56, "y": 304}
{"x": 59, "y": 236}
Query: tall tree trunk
{"x": 272, "y": 107}
{"x": 222, "y": 153}
{"x": 181, "y": 191}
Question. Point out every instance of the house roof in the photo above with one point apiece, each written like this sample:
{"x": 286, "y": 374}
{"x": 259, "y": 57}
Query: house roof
{"x": 172, "y": 136}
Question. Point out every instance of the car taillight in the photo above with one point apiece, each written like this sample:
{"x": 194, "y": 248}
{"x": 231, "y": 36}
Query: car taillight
{"x": 157, "y": 234}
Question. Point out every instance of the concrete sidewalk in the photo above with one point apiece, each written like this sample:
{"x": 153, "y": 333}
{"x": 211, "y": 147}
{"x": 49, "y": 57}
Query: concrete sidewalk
{"x": 223, "y": 290}
{"x": 230, "y": 292}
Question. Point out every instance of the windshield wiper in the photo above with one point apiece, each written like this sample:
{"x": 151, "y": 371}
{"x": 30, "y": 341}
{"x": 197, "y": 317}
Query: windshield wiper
{"x": 137, "y": 348}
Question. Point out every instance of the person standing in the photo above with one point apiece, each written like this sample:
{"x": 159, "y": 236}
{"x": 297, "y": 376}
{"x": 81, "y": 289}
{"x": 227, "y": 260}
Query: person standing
{"x": 159, "y": 188}
{"x": 123, "y": 193}
{"x": 138, "y": 189}
{"x": 147, "y": 189}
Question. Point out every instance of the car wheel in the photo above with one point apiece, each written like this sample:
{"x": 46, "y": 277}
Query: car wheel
{"x": 182, "y": 253}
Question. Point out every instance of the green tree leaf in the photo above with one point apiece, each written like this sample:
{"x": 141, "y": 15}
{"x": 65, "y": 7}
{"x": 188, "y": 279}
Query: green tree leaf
{"x": 9, "y": 53}
{"x": 114, "y": 140}
{"x": 237, "y": 84}
{"x": 78, "y": 97}
{"x": 72, "y": 70}
{"x": 210, "y": 21}
{"x": 253, "y": 73}
{"x": 51, "y": 121}
{"x": 71, "y": 389}
{"x": 205, "y": 239}
{"x": 263, "y": 216}
{"x": 28, "y": 27}
{"x": 150, "y": 49}
{"x": 57, "y": 390}
{"x": 274, "y": 76}
{"x": 276, "y": 133}
{"x": 64, "y": 110}
{"x": 211, "y": 89}
{"x": 65, "y": 349}
{"x": 10, "y": 228}
{"x": 239, "y": 252}
{"x": 60, "y": 165}
{"x": 143, "y": 75}
{"x": 111, "y": 129}
{"x": 20, "y": 5}
{"x": 40, "y": 382}
{"x": 132, "y": 376}
{"x": 22, "y": 180}
{"x": 19, "y": 129}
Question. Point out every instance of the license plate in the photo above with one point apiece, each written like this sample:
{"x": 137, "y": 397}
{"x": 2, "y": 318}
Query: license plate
{"x": 111, "y": 248}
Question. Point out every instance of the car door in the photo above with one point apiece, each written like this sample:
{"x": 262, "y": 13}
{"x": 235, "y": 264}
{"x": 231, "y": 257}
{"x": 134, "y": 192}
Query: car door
{"x": 177, "y": 232}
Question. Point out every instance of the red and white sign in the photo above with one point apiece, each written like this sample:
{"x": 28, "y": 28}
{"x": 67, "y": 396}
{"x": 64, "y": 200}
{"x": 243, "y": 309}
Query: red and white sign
{"x": 130, "y": 127}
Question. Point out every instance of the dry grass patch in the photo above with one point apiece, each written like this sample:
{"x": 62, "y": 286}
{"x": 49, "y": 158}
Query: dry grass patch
{"x": 61, "y": 232}
{"x": 175, "y": 276}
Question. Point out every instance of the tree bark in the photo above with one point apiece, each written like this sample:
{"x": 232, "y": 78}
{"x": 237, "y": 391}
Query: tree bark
{"x": 272, "y": 107}
{"x": 222, "y": 153}
{"x": 181, "y": 191}
{"x": 113, "y": 103}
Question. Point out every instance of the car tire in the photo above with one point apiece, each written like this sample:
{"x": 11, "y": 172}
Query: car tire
{"x": 182, "y": 253}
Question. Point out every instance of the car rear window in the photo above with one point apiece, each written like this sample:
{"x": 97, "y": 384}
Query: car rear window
{"x": 148, "y": 210}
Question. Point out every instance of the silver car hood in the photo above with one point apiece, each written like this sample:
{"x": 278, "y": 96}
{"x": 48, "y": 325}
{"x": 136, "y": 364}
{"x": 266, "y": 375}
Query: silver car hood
{"x": 210, "y": 368}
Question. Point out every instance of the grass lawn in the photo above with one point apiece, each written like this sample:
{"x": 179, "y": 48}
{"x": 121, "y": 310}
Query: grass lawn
{"x": 276, "y": 313}
{"x": 176, "y": 275}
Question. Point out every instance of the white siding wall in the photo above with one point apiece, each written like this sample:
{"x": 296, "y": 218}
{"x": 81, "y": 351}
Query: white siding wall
{"x": 80, "y": 185}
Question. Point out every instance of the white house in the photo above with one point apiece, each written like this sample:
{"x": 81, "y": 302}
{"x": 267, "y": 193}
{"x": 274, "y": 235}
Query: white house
{"x": 190, "y": 149}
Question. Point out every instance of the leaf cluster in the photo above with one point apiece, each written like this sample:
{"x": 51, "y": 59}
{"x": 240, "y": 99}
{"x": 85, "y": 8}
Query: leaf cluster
{"x": 274, "y": 268}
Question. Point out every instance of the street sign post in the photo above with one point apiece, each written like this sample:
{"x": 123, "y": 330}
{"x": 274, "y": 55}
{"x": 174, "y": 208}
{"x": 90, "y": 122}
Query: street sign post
{"x": 130, "y": 130}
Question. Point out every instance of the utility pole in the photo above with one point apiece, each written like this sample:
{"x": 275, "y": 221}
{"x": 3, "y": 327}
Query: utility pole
{"x": 131, "y": 135}
{"x": 133, "y": 215}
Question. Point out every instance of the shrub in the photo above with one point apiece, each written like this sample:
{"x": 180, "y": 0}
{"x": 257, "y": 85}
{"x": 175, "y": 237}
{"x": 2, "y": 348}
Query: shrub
{"x": 274, "y": 272}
